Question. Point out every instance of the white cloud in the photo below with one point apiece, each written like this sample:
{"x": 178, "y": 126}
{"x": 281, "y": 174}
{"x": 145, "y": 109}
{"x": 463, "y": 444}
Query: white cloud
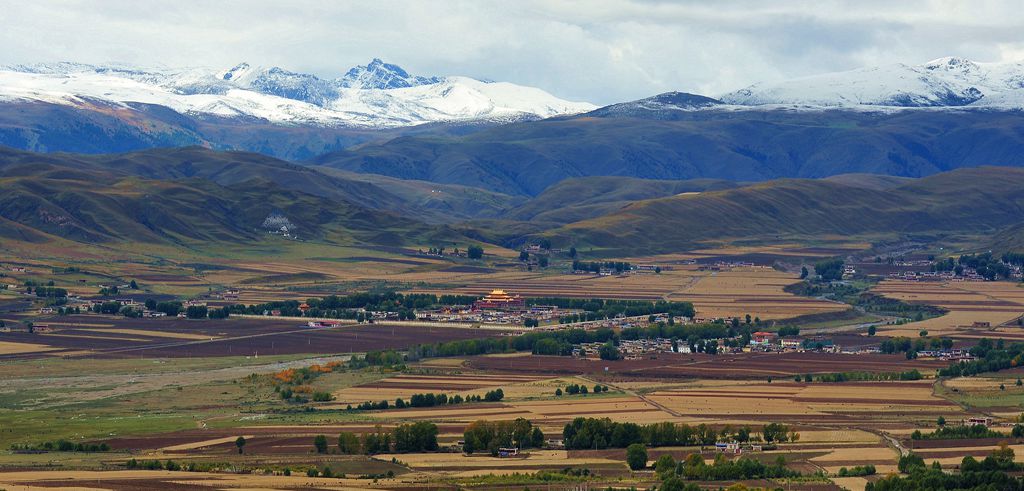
{"x": 597, "y": 50}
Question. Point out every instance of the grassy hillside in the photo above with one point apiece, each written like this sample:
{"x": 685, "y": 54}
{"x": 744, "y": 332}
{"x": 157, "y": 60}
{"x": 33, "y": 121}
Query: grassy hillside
{"x": 753, "y": 145}
{"x": 581, "y": 198}
{"x": 421, "y": 201}
{"x": 981, "y": 200}
{"x": 164, "y": 197}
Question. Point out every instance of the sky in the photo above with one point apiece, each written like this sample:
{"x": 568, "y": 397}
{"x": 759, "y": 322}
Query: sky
{"x": 600, "y": 51}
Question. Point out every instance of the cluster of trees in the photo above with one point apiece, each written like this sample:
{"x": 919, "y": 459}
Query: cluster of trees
{"x": 990, "y": 358}
{"x": 597, "y": 266}
{"x": 862, "y": 376}
{"x": 722, "y": 469}
{"x": 489, "y": 436}
{"x": 386, "y": 358}
{"x": 911, "y": 347}
{"x": 829, "y": 269}
{"x": 599, "y": 433}
{"x": 409, "y": 437}
{"x": 986, "y": 265}
{"x": 63, "y": 446}
{"x": 860, "y": 470}
{"x": 475, "y": 252}
{"x": 573, "y": 389}
{"x": 956, "y": 433}
{"x": 990, "y": 473}
{"x": 351, "y": 306}
{"x": 51, "y": 292}
{"x": 153, "y": 465}
{"x": 429, "y": 400}
{"x": 609, "y": 352}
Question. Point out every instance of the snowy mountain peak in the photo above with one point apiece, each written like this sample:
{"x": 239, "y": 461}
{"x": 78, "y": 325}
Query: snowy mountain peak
{"x": 944, "y": 82}
{"x": 236, "y": 72}
{"x": 380, "y": 75}
{"x": 378, "y": 94}
{"x": 951, "y": 63}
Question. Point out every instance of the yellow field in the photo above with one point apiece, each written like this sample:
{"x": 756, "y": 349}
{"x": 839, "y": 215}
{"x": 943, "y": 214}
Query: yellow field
{"x": 762, "y": 402}
{"x": 996, "y": 302}
{"x": 750, "y": 290}
{"x": 8, "y": 348}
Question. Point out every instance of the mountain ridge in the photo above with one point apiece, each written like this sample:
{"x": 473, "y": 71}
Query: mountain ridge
{"x": 376, "y": 95}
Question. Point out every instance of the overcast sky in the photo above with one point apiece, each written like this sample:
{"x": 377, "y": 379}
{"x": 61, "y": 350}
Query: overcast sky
{"x": 600, "y": 51}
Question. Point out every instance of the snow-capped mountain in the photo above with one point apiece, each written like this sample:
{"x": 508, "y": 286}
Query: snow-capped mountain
{"x": 380, "y": 75}
{"x": 661, "y": 106}
{"x": 945, "y": 82}
{"x": 374, "y": 95}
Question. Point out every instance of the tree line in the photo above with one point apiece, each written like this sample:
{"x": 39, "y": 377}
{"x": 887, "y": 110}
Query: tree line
{"x": 429, "y": 400}
{"x": 408, "y": 437}
{"x": 600, "y": 433}
{"x": 990, "y": 358}
{"x": 490, "y": 436}
{"x": 596, "y": 266}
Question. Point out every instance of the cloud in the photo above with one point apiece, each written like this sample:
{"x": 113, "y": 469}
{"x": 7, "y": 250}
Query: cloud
{"x": 597, "y": 50}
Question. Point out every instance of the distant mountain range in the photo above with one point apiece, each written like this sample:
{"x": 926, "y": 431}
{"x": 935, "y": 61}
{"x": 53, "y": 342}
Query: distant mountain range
{"x": 945, "y": 82}
{"x": 903, "y": 120}
{"x": 377, "y": 95}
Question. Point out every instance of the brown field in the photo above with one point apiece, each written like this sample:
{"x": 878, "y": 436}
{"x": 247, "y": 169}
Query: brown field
{"x": 231, "y": 337}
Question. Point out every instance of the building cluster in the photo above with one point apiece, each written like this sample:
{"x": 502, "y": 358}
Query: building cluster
{"x": 770, "y": 341}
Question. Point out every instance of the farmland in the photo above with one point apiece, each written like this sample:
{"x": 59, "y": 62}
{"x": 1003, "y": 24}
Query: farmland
{"x": 196, "y": 385}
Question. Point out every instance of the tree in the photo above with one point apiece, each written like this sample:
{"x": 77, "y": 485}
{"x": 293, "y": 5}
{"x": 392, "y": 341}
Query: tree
{"x": 348, "y": 443}
{"x": 196, "y": 312}
{"x": 636, "y": 456}
{"x": 665, "y": 466}
{"x": 543, "y": 261}
{"x": 872, "y": 330}
{"x": 909, "y": 462}
{"x": 415, "y": 437}
{"x": 475, "y": 252}
{"x": 320, "y": 442}
{"x": 524, "y": 256}
{"x": 941, "y": 421}
{"x": 133, "y": 285}
{"x": 804, "y": 272}
{"x": 240, "y": 442}
{"x": 829, "y": 270}
{"x": 558, "y": 391}
{"x": 608, "y": 351}
{"x": 572, "y": 252}
{"x": 775, "y": 432}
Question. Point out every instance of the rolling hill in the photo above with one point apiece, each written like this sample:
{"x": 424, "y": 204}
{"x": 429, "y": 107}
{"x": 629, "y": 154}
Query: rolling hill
{"x": 191, "y": 195}
{"x": 435, "y": 203}
{"x": 581, "y": 198}
{"x": 967, "y": 201}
